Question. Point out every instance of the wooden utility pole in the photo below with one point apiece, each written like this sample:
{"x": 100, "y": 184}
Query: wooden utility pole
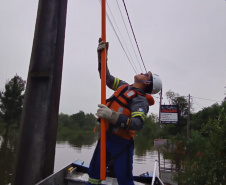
{"x": 188, "y": 118}
{"x": 160, "y": 103}
{"x": 38, "y": 129}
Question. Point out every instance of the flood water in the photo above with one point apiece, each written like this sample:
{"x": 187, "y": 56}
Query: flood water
{"x": 69, "y": 151}
{"x": 66, "y": 154}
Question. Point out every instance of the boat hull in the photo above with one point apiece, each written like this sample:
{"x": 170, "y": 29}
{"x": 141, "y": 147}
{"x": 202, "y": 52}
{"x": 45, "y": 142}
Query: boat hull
{"x": 77, "y": 174}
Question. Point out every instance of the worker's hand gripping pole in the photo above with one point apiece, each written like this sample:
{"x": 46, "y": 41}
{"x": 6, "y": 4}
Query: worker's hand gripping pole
{"x": 103, "y": 96}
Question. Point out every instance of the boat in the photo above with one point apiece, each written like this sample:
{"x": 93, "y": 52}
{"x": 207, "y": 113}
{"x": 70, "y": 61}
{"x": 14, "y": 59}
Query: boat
{"x": 76, "y": 173}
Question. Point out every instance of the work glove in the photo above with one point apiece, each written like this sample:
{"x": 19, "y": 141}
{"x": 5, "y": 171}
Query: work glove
{"x": 100, "y": 47}
{"x": 107, "y": 114}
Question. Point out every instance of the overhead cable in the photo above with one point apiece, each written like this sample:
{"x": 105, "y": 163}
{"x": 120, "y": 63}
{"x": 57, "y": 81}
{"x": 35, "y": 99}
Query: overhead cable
{"x": 134, "y": 35}
{"x": 118, "y": 38}
{"x": 201, "y": 106}
{"x": 128, "y": 34}
{"x": 207, "y": 99}
{"x": 120, "y": 34}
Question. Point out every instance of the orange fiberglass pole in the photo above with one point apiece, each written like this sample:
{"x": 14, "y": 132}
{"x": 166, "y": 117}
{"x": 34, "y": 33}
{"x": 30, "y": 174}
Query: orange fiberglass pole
{"x": 103, "y": 96}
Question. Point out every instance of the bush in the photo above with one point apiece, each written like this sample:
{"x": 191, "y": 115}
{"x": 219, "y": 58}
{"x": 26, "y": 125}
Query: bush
{"x": 209, "y": 165}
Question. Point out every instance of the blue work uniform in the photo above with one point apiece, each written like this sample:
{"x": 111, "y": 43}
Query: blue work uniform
{"x": 118, "y": 149}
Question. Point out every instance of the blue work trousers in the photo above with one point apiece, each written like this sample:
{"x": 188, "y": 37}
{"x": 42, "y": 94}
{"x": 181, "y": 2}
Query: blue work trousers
{"x": 123, "y": 164}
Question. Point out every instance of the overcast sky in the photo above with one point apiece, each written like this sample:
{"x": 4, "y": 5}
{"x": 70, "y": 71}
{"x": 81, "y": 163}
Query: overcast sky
{"x": 184, "y": 41}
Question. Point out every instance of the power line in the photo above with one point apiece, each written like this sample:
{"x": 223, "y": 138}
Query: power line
{"x": 201, "y": 106}
{"x": 200, "y": 98}
{"x": 128, "y": 34}
{"x": 121, "y": 43}
{"x": 120, "y": 34}
{"x": 134, "y": 35}
{"x": 206, "y": 99}
{"x": 118, "y": 39}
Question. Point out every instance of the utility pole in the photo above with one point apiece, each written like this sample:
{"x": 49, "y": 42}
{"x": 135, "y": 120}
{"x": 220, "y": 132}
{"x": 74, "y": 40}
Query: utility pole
{"x": 225, "y": 91}
{"x": 188, "y": 118}
{"x": 160, "y": 103}
{"x": 38, "y": 129}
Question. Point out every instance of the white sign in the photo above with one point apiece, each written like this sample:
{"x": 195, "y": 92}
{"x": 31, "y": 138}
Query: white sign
{"x": 169, "y": 114}
{"x": 169, "y": 117}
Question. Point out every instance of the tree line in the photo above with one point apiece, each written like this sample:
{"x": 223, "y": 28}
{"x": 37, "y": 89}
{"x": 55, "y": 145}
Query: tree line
{"x": 11, "y": 102}
{"x": 205, "y": 151}
{"x": 203, "y": 155}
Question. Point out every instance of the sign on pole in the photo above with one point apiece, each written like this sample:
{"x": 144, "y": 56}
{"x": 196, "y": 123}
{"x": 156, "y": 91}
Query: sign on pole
{"x": 169, "y": 114}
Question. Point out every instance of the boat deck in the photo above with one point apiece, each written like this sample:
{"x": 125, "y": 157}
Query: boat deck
{"x": 76, "y": 174}
{"x": 81, "y": 178}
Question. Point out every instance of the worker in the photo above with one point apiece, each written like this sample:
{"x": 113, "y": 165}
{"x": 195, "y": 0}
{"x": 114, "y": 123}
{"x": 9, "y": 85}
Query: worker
{"x": 124, "y": 113}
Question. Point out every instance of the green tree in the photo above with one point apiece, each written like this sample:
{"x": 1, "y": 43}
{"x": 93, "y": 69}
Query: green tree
{"x": 207, "y": 152}
{"x": 77, "y": 129}
{"x": 203, "y": 116}
{"x": 11, "y": 101}
{"x": 79, "y": 118}
{"x": 64, "y": 120}
{"x": 83, "y": 120}
{"x": 181, "y": 101}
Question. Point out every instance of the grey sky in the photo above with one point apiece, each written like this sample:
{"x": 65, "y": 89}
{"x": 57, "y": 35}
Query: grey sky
{"x": 184, "y": 41}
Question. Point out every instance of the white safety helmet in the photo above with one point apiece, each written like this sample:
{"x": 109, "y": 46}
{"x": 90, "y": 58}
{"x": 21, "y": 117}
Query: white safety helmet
{"x": 155, "y": 86}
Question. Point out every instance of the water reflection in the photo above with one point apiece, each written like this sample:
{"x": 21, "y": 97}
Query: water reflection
{"x": 7, "y": 155}
{"x": 66, "y": 153}
{"x": 83, "y": 138}
{"x": 78, "y": 138}
{"x": 78, "y": 144}
{"x": 82, "y": 147}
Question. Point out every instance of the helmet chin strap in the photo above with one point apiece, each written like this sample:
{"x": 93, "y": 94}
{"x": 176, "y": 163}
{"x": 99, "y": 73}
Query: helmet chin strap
{"x": 142, "y": 81}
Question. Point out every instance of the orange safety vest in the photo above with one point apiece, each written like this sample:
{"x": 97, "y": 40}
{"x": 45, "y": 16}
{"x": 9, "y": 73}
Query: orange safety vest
{"x": 119, "y": 102}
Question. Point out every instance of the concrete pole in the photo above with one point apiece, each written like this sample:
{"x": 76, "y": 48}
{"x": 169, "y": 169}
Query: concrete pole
{"x": 38, "y": 129}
